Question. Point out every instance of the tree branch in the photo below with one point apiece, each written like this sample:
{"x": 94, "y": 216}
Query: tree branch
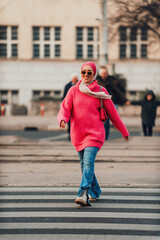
{"x": 142, "y": 13}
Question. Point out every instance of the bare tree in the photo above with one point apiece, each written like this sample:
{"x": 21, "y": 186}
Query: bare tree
{"x": 137, "y": 13}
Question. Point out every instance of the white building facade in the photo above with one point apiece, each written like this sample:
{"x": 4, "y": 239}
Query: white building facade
{"x": 43, "y": 42}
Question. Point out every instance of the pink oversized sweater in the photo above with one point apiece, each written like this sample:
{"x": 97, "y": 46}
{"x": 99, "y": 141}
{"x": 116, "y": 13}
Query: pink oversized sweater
{"x": 87, "y": 130}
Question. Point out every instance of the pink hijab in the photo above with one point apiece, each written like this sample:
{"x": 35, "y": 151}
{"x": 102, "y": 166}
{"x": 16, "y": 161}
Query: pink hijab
{"x": 92, "y": 65}
{"x": 84, "y": 89}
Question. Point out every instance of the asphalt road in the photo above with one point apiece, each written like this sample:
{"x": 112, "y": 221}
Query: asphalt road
{"x": 62, "y": 135}
{"x": 51, "y": 213}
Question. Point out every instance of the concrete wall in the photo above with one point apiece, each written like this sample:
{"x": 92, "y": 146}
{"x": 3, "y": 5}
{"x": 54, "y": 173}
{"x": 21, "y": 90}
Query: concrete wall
{"x": 29, "y": 76}
{"x": 140, "y": 75}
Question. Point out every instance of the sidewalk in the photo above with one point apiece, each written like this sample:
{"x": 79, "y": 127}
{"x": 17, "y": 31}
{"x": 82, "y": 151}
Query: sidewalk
{"x": 49, "y": 123}
{"x": 33, "y": 163}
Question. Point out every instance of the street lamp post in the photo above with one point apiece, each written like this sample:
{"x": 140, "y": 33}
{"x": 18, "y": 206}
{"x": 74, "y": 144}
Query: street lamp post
{"x": 104, "y": 35}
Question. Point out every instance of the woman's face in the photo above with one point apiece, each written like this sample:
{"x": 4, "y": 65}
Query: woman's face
{"x": 87, "y": 74}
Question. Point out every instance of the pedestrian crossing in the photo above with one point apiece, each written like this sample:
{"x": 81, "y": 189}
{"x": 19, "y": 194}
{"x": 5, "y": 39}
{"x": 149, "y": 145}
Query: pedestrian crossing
{"x": 51, "y": 213}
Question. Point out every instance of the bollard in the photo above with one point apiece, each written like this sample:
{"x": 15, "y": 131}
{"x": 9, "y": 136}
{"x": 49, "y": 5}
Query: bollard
{"x": 42, "y": 108}
{"x": 2, "y": 109}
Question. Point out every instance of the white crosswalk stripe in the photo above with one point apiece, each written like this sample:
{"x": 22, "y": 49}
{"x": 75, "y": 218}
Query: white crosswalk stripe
{"x": 51, "y": 213}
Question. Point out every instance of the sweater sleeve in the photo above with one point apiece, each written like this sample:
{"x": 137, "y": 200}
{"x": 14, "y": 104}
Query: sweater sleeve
{"x": 158, "y": 103}
{"x": 114, "y": 116}
{"x": 120, "y": 96}
{"x": 66, "y": 107}
{"x": 136, "y": 102}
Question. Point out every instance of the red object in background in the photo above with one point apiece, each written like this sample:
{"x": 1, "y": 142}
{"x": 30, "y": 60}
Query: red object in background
{"x": 42, "y": 108}
{"x": 2, "y": 109}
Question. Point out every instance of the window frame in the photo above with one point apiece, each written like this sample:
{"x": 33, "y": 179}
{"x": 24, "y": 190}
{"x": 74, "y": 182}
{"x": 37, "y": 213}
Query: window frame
{"x": 133, "y": 34}
{"x": 46, "y": 33}
{"x": 90, "y": 50}
{"x": 9, "y": 41}
{"x": 35, "y": 35}
{"x": 79, "y": 34}
{"x": 122, "y": 51}
{"x": 36, "y": 50}
{"x": 144, "y": 51}
{"x": 133, "y": 51}
{"x": 14, "y": 32}
{"x": 57, "y": 34}
{"x": 3, "y": 54}
{"x": 9, "y": 96}
{"x": 46, "y": 51}
{"x": 133, "y": 42}
{"x": 79, "y": 51}
{"x": 90, "y": 34}
{"x": 49, "y": 39}
{"x": 122, "y": 34}
{"x": 6, "y": 34}
{"x": 14, "y": 45}
{"x": 87, "y": 42}
{"x": 57, "y": 50}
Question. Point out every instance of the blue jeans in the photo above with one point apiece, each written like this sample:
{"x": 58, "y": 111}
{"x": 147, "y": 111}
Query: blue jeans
{"x": 107, "y": 128}
{"x": 107, "y": 124}
{"x": 87, "y": 158}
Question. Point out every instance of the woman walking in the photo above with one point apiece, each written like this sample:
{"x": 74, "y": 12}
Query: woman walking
{"x": 81, "y": 105}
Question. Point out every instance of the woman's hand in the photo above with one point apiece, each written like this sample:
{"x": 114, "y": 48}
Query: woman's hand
{"x": 126, "y": 138}
{"x": 62, "y": 124}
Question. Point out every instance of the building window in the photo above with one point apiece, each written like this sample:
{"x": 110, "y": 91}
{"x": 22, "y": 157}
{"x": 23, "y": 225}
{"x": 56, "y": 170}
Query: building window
{"x": 57, "y": 92}
{"x": 8, "y": 41}
{"x": 144, "y": 34}
{"x": 79, "y": 35}
{"x": 36, "y": 33}
{"x": 79, "y": 51}
{"x": 90, "y": 51}
{"x": 47, "y": 50}
{"x": 4, "y": 96}
{"x": 9, "y": 96}
{"x": 57, "y": 33}
{"x": 122, "y": 51}
{"x": 14, "y": 51}
{"x": 98, "y": 52}
{"x": 133, "y": 48}
{"x": 57, "y": 50}
{"x": 36, "y": 51}
{"x": 133, "y": 93}
{"x": 14, "y": 32}
{"x": 143, "y": 51}
{"x": 15, "y": 97}
{"x": 46, "y": 42}
{"x": 90, "y": 34}
{"x": 133, "y": 43}
{"x": 87, "y": 42}
{"x": 3, "y": 50}
{"x": 3, "y": 32}
{"x": 47, "y": 93}
{"x": 123, "y": 33}
{"x": 133, "y": 34}
{"x": 47, "y": 33}
{"x": 36, "y": 94}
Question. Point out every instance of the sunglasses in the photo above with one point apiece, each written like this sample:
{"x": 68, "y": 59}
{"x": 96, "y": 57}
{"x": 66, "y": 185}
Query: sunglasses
{"x": 86, "y": 72}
